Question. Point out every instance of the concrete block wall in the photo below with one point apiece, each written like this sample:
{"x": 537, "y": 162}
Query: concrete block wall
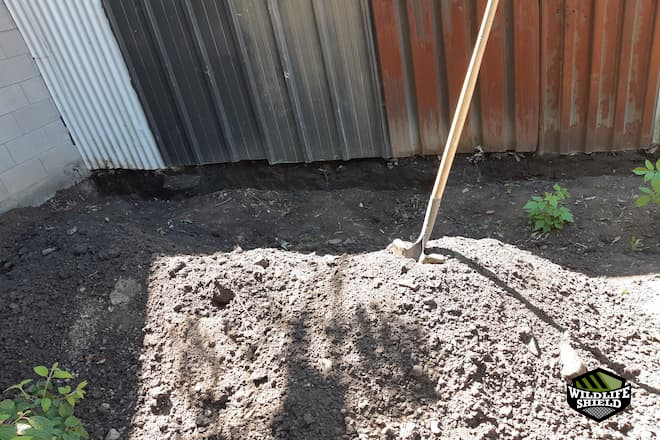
{"x": 37, "y": 156}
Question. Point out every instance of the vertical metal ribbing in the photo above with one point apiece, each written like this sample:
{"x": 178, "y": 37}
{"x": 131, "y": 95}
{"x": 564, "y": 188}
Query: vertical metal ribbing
{"x": 331, "y": 74}
{"x": 253, "y": 92}
{"x": 209, "y": 75}
{"x": 174, "y": 85}
{"x": 81, "y": 64}
{"x": 290, "y": 80}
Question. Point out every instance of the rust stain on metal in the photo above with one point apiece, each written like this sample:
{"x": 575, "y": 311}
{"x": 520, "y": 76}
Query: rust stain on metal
{"x": 558, "y": 76}
{"x": 526, "y": 40}
{"x": 426, "y": 63}
{"x": 392, "y": 67}
{"x": 492, "y": 80}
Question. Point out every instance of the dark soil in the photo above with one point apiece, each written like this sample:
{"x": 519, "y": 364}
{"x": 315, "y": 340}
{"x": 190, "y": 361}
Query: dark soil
{"x": 247, "y": 301}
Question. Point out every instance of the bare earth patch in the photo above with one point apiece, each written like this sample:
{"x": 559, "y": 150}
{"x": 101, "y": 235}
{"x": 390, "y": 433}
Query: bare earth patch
{"x": 313, "y": 331}
{"x": 374, "y": 346}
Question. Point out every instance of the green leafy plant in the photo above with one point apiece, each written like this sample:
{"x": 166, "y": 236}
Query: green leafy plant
{"x": 43, "y": 409}
{"x": 548, "y": 212}
{"x": 652, "y": 177}
{"x": 636, "y": 244}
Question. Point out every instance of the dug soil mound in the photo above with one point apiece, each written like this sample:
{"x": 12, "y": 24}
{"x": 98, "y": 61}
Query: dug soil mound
{"x": 274, "y": 344}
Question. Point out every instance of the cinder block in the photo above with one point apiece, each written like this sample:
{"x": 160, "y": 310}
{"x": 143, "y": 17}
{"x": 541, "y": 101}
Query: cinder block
{"x": 9, "y": 129}
{"x": 12, "y": 43}
{"x": 36, "y": 115}
{"x": 6, "y": 160}
{"x": 57, "y": 132}
{"x": 61, "y": 157}
{"x": 12, "y": 98}
{"x": 23, "y": 175}
{"x": 6, "y": 22}
{"x": 29, "y": 145}
{"x": 35, "y": 89}
{"x": 16, "y": 69}
{"x": 4, "y": 192}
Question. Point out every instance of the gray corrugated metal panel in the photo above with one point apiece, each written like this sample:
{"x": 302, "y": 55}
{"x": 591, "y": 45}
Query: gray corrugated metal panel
{"x": 289, "y": 81}
{"x": 83, "y": 68}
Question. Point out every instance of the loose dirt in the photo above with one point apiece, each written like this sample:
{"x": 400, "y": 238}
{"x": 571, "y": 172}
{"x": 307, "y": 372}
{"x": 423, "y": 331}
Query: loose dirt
{"x": 249, "y": 302}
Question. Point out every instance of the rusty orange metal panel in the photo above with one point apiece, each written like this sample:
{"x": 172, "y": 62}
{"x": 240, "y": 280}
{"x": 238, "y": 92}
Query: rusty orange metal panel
{"x": 633, "y": 74}
{"x": 552, "y": 24}
{"x": 428, "y": 75}
{"x": 651, "y": 104}
{"x": 392, "y": 70}
{"x": 558, "y": 76}
{"x": 492, "y": 83}
{"x": 575, "y": 75}
{"x": 458, "y": 34}
{"x": 605, "y": 58}
{"x": 526, "y": 42}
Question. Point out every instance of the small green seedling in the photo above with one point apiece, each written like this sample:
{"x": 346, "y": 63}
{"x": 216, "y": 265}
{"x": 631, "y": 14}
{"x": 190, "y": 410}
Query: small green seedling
{"x": 652, "y": 177}
{"x": 548, "y": 212}
{"x": 636, "y": 244}
{"x": 43, "y": 409}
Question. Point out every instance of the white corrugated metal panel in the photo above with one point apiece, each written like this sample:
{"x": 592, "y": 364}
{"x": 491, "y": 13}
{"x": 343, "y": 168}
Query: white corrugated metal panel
{"x": 82, "y": 65}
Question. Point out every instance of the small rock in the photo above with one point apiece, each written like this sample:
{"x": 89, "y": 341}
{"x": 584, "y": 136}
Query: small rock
{"x": 417, "y": 371}
{"x": 490, "y": 212}
{"x": 176, "y": 268}
{"x": 326, "y": 365}
{"x": 506, "y": 411}
{"x": 71, "y": 231}
{"x": 433, "y": 259}
{"x": 572, "y": 364}
{"x": 435, "y": 426}
{"x": 410, "y": 284}
{"x": 112, "y": 434}
{"x": 308, "y": 419}
{"x": 48, "y": 251}
{"x": 104, "y": 408}
{"x": 222, "y": 296}
{"x": 533, "y": 347}
{"x": 262, "y": 261}
{"x": 259, "y": 377}
{"x": 408, "y": 431}
{"x": 335, "y": 241}
{"x": 8, "y": 265}
{"x": 431, "y": 304}
{"x": 159, "y": 393}
{"x": 202, "y": 420}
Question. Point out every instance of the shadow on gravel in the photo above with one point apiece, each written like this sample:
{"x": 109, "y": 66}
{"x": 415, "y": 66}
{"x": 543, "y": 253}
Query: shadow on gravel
{"x": 616, "y": 367}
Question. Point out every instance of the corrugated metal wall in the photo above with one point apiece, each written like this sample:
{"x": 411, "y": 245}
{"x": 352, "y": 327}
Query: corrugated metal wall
{"x": 558, "y": 76}
{"x": 285, "y": 80}
{"x": 77, "y": 54}
{"x": 310, "y": 80}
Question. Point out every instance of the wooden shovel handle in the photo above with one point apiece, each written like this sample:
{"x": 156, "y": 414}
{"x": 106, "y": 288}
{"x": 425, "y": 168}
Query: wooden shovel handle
{"x": 462, "y": 108}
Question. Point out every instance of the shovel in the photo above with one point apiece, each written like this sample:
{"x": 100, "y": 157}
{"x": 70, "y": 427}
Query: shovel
{"x": 416, "y": 250}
